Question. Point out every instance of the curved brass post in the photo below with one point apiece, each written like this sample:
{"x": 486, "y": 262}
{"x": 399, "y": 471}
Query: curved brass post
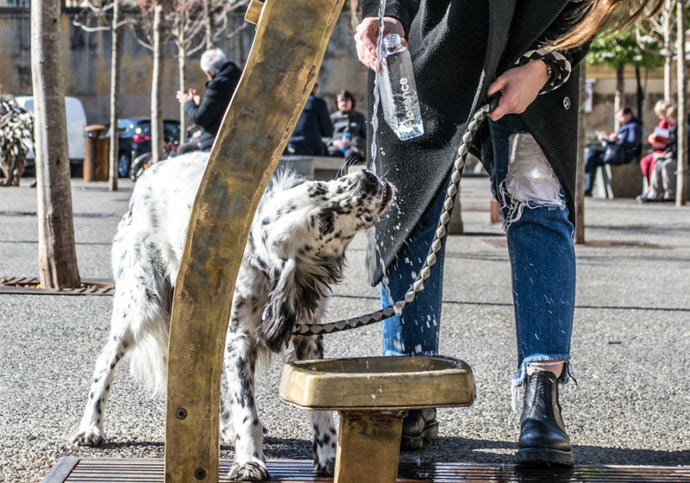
{"x": 289, "y": 45}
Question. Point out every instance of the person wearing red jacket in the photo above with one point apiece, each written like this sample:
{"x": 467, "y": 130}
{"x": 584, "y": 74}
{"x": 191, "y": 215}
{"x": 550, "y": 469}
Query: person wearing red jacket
{"x": 659, "y": 140}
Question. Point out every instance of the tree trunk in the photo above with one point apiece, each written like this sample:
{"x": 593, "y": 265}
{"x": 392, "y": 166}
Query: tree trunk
{"x": 668, "y": 48}
{"x": 114, "y": 154}
{"x": 238, "y": 42}
{"x": 619, "y": 98}
{"x": 580, "y": 173}
{"x": 57, "y": 258}
{"x": 181, "y": 63}
{"x": 640, "y": 94}
{"x": 156, "y": 83}
{"x": 682, "y": 176}
{"x": 208, "y": 22}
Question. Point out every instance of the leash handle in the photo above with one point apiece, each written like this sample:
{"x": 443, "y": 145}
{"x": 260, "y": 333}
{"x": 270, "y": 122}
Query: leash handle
{"x": 493, "y": 101}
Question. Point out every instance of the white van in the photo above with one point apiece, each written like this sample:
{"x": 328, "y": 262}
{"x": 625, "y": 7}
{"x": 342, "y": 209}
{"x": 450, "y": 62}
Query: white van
{"x": 76, "y": 122}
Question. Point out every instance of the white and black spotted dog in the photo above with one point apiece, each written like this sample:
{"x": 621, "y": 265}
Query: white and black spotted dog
{"x": 295, "y": 252}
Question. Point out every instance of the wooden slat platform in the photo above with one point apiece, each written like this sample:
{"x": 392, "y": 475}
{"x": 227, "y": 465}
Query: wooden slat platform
{"x": 70, "y": 469}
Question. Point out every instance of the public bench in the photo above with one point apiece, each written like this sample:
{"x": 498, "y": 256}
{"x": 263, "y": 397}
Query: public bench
{"x": 313, "y": 167}
{"x": 618, "y": 181}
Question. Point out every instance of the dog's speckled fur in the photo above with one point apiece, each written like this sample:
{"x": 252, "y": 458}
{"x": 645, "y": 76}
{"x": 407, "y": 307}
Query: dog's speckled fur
{"x": 294, "y": 253}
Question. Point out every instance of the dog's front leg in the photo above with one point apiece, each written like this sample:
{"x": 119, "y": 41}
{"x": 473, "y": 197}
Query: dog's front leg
{"x": 324, "y": 437}
{"x": 240, "y": 360}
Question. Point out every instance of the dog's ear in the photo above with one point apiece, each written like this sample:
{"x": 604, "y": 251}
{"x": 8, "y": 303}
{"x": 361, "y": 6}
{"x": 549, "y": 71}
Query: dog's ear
{"x": 280, "y": 314}
{"x": 296, "y": 296}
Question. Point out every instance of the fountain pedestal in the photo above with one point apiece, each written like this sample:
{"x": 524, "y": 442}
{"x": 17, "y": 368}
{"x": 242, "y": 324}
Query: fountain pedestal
{"x": 372, "y": 395}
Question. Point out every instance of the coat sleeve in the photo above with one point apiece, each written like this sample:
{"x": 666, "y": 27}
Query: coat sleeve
{"x": 212, "y": 106}
{"x": 630, "y": 136}
{"x": 673, "y": 138}
{"x": 325, "y": 123}
{"x": 403, "y": 10}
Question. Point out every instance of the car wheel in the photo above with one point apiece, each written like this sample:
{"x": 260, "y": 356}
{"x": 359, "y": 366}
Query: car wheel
{"x": 123, "y": 163}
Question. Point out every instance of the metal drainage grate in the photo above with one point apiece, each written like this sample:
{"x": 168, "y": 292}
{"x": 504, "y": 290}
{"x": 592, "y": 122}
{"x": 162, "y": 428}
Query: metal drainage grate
{"x": 31, "y": 286}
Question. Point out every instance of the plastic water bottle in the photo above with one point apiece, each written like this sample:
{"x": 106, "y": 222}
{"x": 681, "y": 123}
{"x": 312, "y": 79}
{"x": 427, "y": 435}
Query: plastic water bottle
{"x": 398, "y": 90}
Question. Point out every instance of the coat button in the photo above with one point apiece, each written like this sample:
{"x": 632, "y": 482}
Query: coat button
{"x": 566, "y": 102}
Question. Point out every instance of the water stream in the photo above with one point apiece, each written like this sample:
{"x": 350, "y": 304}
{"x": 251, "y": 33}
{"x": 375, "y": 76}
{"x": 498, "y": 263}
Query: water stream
{"x": 374, "y": 145}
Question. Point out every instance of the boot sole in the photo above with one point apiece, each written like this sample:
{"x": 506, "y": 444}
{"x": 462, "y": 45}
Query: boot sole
{"x": 410, "y": 442}
{"x": 540, "y": 456}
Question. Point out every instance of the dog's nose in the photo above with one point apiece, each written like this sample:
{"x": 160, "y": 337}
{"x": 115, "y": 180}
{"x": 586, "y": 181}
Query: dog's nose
{"x": 369, "y": 178}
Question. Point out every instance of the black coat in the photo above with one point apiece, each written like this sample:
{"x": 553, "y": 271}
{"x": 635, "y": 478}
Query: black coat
{"x": 209, "y": 114}
{"x": 313, "y": 124}
{"x": 458, "y": 48}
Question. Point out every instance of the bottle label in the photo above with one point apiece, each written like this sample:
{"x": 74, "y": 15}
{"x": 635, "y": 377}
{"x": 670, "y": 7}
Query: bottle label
{"x": 408, "y": 99}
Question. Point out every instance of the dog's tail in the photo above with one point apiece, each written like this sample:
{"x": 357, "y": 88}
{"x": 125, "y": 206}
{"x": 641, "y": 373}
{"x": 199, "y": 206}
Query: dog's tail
{"x": 149, "y": 317}
{"x": 149, "y": 359}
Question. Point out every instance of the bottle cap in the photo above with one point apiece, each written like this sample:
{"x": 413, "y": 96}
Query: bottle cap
{"x": 391, "y": 41}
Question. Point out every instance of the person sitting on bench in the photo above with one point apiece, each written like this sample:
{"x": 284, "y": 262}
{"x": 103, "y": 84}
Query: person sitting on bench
{"x": 662, "y": 186}
{"x": 619, "y": 148}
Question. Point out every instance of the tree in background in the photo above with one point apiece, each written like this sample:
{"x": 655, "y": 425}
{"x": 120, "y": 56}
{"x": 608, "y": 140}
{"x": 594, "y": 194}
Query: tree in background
{"x": 623, "y": 49}
{"x": 108, "y": 16}
{"x": 661, "y": 29}
{"x": 194, "y": 25}
{"x": 186, "y": 22}
{"x": 57, "y": 256}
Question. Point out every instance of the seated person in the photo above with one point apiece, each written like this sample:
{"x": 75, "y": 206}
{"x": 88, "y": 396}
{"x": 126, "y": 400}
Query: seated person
{"x": 223, "y": 77}
{"x": 662, "y": 185}
{"x": 618, "y": 148}
{"x": 658, "y": 140}
{"x": 313, "y": 124}
{"x": 349, "y": 130}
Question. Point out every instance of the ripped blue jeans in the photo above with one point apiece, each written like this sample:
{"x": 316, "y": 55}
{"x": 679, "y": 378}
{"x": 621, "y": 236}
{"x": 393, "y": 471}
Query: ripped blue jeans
{"x": 541, "y": 250}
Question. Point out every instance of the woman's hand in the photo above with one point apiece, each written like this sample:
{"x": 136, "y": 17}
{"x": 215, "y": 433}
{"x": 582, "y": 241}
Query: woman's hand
{"x": 519, "y": 87}
{"x": 367, "y": 33}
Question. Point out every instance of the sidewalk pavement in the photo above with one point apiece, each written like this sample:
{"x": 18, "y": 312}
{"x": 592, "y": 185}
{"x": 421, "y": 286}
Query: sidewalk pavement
{"x": 630, "y": 348}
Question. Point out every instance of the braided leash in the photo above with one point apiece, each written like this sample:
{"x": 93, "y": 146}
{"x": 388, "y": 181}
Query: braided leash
{"x": 441, "y": 231}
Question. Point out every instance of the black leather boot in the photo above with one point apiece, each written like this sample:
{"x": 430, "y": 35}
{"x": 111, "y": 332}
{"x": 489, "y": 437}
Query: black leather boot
{"x": 419, "y": 426}
{"x": 543, "y": 439}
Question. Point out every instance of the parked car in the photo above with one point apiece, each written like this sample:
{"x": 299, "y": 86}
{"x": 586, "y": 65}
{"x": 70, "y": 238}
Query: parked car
{"x": 135, "y": 139}
{"x": 76, "y": 122}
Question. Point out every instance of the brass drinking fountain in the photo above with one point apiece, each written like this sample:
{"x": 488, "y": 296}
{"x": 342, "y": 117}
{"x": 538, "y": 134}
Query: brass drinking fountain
{"x": 372, "y": 395}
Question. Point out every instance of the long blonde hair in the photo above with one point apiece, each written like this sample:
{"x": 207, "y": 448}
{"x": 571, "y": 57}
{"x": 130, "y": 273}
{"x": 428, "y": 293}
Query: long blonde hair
{"x": 605, "y": 16}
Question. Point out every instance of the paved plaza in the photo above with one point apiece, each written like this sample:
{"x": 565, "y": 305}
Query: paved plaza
{"x": 630, "y": 348}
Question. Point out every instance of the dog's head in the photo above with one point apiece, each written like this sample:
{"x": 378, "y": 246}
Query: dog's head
{"x": 318, "y": 219}
{"x": 305, "y": 229}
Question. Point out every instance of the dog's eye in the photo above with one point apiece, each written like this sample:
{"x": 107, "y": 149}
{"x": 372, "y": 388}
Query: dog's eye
{"x": 326, "y": 223}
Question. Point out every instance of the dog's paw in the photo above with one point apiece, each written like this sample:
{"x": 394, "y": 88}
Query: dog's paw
{"x": 326, "y": 467}
{"x": 89, "y": 437}
{"x": 324, "y": 450}
{"x": 253, "y": 470}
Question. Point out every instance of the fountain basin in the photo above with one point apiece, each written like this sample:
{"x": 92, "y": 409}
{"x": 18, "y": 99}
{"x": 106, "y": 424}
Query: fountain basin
{"x": 378, "y": 383}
